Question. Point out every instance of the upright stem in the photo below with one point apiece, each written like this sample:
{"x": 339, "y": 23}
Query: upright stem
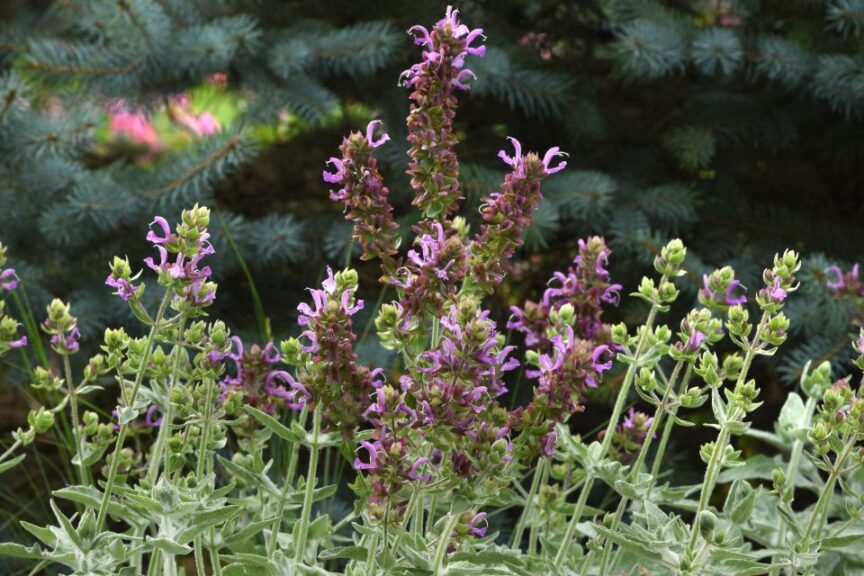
{"x": 443, "y": 542}
{"x": 168, "y": 417}
{"x": 124, "y": 428}
{"x": 792, "y": 473}
{"x": 535, "y": 526}
{"x": 519, "y": 531}
{"x": 11, "y": 450}
{"x": 668, "y": 426}
{"x": 84, "y": 473}
{"x": 300, "y": 544}
{"x": 636, "y": 468}
{"x": 201, "y": 468}
{"x": 715, "y": 462}
{"x": 287, "y": 483}
{"x": 607, "y": 437}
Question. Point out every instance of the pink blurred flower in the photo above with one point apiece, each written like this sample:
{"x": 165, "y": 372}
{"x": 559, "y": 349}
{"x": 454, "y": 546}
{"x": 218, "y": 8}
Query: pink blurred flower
{"x": 134, "y": 126}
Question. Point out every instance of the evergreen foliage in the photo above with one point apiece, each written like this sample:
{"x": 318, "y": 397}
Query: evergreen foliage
{"x": 734, "y": 124}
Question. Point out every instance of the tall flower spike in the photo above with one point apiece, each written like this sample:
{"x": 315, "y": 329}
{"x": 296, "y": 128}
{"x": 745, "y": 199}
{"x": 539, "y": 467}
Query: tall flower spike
{"x": 364, "y": 195}
{"x": 434, "y": 81}
{"x": 506, "y": 214}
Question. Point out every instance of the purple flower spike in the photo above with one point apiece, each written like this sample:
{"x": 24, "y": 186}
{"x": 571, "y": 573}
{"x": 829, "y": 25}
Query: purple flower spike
{"x": 166, "y": 231}
{"x": 8, "y": 279}
{"x": 372, "y": 465}
{"x": 370, "y": 134}
{"x": 551, "y": 154}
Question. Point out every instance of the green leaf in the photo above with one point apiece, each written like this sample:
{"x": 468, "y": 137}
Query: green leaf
{"x": 841, "y": 541}
{"x": 275, "y": 426}
{"x": 9, "y": 464}
{"x": 169, "y": 546}
{"x": 247, "y": 532}
{"x": 19, "y": 551}
{"x": 345, "y": 552}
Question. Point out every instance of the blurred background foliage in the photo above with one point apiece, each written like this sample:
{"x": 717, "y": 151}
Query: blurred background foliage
{"x": 736, "y": 125}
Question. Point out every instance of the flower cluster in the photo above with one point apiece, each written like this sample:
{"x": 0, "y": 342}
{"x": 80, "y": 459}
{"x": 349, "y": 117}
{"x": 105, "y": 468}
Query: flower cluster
{"x": 9, "y": 338}
{"x": 63, "y": 328}
{"x": 181, "y": 272}
{"x": 585, "y": 286}
{"x": 432, "y": 270}
{"x": 507, "y": 213}
{"x": 433, "y": 168}
{"x": 328, "y": 369}
{"x": 562, "y": 376}
{"x": 256, "y": 380}
{"x": 364, "y": 195}
{"x": 719, "y": 289}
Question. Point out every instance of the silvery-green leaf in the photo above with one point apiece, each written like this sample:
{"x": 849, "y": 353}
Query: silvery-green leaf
{"x": 126, "y": 414}
{"x": 169, "y": 546}
{"x": 9, "y": 464}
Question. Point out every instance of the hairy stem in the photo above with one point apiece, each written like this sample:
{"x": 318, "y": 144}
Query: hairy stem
{"x": 124, "y": 428}
{"x": 607, "y": 437}
{"x": 443, "y": 542}
{"x": 288, "y": 481}
{"x": 300, "y": 544}
{"x": 71, "y": 390}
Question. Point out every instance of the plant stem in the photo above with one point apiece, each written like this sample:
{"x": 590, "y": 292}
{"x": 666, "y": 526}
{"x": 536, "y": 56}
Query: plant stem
{"x": 791, "y": 474}
{"x": 636, "y": 468}
{"x": 430, "y": 520}
{"x": 715, "y": 463}
{"x": 201, "y": 468}
{"x": 607, "y": 437}
{"x": 668, "y": 426}
{"x": 124, "y": 428}
{"x": 76, "y": 425}
{"x": 519, "y": 531}
{"x": 300, "y": 544}
{"x": 443, "y": 542}
{"x": 168, "y": 417}
{"x": 535, "y": 525}
{"x": 287, "y": 482}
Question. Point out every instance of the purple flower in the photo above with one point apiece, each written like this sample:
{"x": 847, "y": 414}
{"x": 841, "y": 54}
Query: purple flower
{"x": 166, "y": 232}
{"x": 295, "y": 396}
{"x": 413, "y": 473}
{"x": 20, "y": 343}
{"x": 838, "y": 283}
{"x": 370, "y": 134}
{"x": 514, "y": 161}
{"x": 335, "y": 177}
{"x": 775, "y": 292}
{"x": 8, "y": 279}
{"x": 695, "y": 341}
{"x": 67, "y": 342}
{"x": 150, "y": 420}
{"x": 124, "y": 287}
{"x": 549, "y": 156}
{"x": 372, "y": 450}
{"x": 474, "y": 525}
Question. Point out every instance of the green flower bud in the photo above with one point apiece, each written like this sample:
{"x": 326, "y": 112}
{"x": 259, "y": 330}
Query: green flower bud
{"x": 732, "y": 365}
{"x": 737, "y": 322}
{"x": 25, "y": 437}
{"x": 347, "y": 279}
{"x": 40, "y": 420}
{"x": 668, "y": 263}
{"x": 44, "y": 380}
{"x": 668, "y": 292}
{"x": 619, "y": 333}
{"x": 116, "y": 339}
{"x": 707, "y": 523}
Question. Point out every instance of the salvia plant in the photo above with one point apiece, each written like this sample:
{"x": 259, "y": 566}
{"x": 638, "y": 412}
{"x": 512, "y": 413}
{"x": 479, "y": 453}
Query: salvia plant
{"x": 228, "y": 457}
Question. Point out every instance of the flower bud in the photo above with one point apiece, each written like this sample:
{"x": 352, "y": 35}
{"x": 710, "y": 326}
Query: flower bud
{"x": 671, "y": 258}
{"x": 116, "y": 339}
{"x": 668, "y": 292}
{"x": 737, "y": 322}
{"x": 40, "y": 420}
{"x": 707, "y": 523}
{"x": 732, "y": 365}
{"x": 619, "y": 333}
